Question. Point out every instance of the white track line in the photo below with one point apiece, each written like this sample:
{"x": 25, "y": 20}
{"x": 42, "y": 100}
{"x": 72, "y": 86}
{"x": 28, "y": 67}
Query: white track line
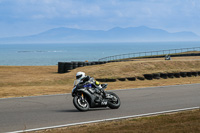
{"x": 103, "y": 120}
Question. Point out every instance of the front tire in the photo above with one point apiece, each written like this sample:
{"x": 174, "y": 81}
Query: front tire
{"x": 113, "y": 103}
{"x": 81, "y": 104}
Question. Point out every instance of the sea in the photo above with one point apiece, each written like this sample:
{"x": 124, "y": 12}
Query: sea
{"x": 52, "y": 53}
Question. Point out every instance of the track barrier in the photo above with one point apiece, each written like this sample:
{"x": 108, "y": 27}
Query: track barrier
{"x": 152, "y": 76}
{"x": 155, "y": 54}
{"x": 64, "y": 67}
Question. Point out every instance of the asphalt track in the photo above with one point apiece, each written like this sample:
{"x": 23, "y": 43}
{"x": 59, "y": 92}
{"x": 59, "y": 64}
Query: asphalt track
{"x": 17, "y": 114}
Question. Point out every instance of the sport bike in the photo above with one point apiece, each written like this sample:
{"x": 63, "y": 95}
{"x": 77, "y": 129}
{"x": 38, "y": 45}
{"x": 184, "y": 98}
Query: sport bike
{"x": 89, "y": 95}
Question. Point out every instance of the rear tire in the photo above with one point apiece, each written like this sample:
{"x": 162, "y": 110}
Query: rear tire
{"x": 79, "y": 104}
{"x": 113, "y": 103}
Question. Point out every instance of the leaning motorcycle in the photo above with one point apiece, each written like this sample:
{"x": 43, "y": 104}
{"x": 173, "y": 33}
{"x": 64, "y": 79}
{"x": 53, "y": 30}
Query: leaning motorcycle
{"x": 89, "y": 95}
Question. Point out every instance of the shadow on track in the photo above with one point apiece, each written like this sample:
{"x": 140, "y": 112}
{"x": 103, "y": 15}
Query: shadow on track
{"x": 75, "y": 110}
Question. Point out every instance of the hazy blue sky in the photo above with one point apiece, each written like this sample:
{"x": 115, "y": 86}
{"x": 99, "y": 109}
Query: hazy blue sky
{"x": 26, "y": 17}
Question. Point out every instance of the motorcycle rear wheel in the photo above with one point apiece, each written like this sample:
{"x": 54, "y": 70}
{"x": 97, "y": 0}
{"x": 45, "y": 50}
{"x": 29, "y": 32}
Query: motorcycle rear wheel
{"x": 80, "y": 104}
{"x": 114, "y": 104}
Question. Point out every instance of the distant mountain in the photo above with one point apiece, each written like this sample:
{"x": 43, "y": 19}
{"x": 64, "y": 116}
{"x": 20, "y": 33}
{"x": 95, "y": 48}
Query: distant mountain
{"x": 131, "y": 34}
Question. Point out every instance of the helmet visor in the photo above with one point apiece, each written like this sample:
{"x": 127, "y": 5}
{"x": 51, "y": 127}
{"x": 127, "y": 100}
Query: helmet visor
{"x": 78, "y": 77}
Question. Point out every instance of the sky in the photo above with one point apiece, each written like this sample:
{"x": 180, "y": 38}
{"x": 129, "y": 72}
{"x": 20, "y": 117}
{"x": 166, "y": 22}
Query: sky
{"x": 27, "y": 17}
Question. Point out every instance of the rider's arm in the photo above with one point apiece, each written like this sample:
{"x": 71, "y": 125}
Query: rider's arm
{"x": 85, "y": 79}
{"x": 83, "y": 82}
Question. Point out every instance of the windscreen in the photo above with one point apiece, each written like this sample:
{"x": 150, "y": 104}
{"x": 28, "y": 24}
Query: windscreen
{"x": 76, "y": 82}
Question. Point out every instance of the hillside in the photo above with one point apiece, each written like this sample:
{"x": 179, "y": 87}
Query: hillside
{"x": 130, "y": 34}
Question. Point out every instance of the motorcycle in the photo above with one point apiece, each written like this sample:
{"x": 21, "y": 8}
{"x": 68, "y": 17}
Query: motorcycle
{"x": 89, "y": 95}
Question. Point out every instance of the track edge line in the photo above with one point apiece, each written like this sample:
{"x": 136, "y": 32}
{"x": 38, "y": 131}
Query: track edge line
{"x": 109, "y": 119}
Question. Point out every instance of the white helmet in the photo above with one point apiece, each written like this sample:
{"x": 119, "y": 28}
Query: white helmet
{"x": 80, "y": 75}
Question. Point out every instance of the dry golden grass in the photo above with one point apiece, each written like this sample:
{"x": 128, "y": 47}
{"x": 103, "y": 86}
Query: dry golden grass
{"x": 17, "y": 81}
{"x": 183, "y": 122}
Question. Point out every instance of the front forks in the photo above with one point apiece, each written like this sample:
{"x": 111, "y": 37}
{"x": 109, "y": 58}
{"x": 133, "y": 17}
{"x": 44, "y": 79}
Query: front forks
{"x": 82, "y": 98}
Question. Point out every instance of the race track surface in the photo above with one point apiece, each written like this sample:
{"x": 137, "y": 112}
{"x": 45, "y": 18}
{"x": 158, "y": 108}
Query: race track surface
{"x": 45, "y": 111}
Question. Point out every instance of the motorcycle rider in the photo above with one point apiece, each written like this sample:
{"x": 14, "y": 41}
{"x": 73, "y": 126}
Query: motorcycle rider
{"x": 82, "y": 79}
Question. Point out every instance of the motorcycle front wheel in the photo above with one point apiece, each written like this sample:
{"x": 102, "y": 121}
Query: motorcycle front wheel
{"x": 81, "y": 104}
